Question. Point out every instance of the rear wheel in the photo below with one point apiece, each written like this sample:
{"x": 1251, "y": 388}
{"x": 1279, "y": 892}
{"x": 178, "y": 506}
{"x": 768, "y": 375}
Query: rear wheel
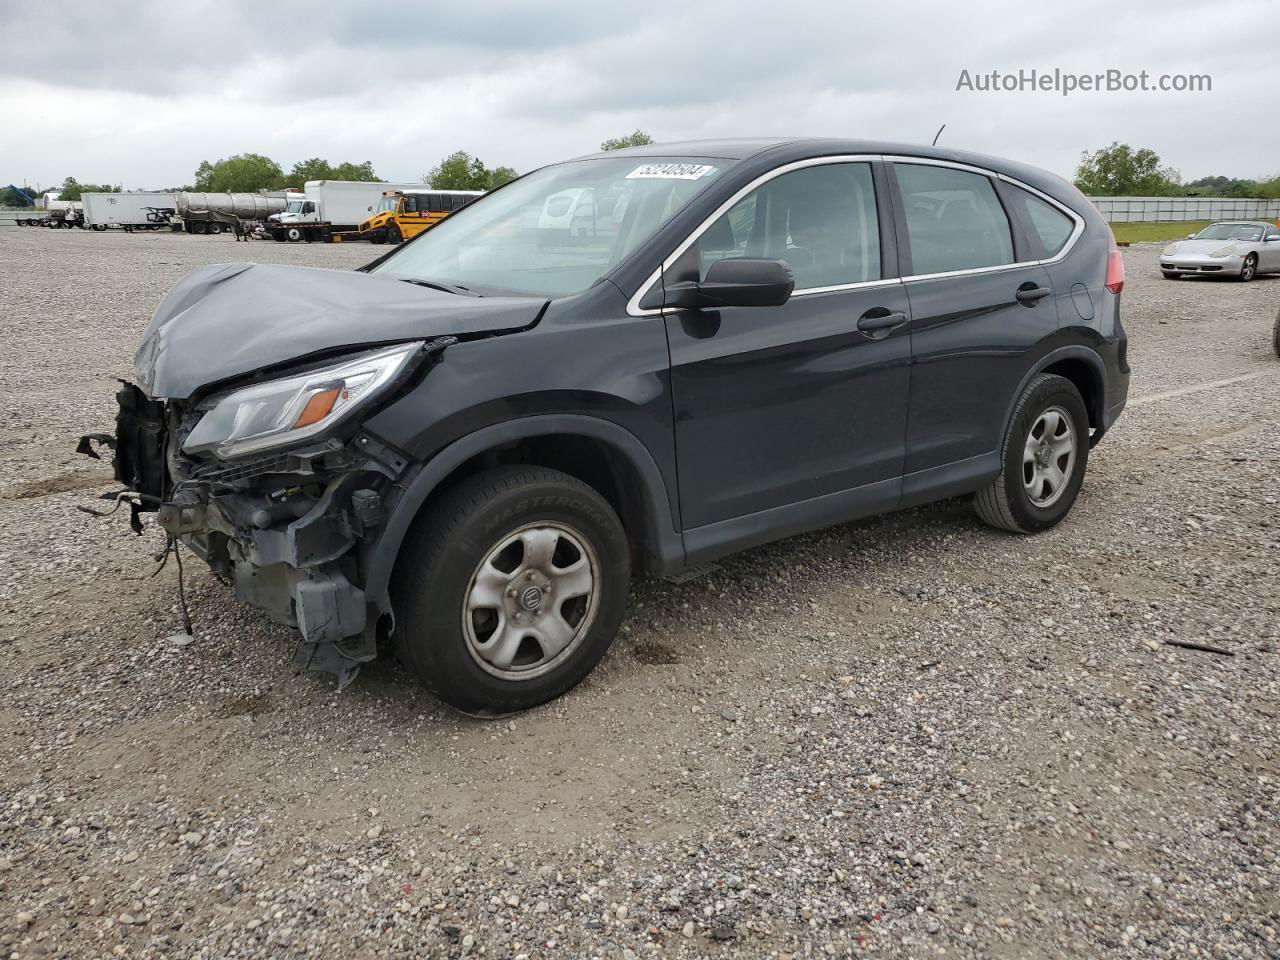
{"x": 510, "y": 589}
{"x": 1045, "y": 452}
{"x": 1275, "y": 335}
{"x": 215, "y": 228}
{"x": 1249, "y": 269}
{"x": 199, "y": 227}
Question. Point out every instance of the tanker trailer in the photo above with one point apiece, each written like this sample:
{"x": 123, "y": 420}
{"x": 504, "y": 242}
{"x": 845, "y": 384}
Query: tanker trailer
{"x": 216, "y": 212}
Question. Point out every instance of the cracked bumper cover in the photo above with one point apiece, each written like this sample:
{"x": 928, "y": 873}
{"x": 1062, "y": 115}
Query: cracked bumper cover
{"x": 295, "y": 573}
{"x": 299, "y": 560}
{"x": 290, "y": 532}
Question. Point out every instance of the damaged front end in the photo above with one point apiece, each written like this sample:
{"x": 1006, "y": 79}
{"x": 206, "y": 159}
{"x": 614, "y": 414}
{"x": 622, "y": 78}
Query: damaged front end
{"x": 279, "y": 490}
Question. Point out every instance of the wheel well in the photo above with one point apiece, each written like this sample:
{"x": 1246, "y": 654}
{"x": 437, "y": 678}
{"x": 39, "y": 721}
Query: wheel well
{"x": 597, "y": 464}
{"x": 1086, "y": 380}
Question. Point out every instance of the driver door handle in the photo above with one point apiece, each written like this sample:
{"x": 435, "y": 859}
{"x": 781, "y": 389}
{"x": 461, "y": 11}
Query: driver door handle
{"x": 872, "y": 322}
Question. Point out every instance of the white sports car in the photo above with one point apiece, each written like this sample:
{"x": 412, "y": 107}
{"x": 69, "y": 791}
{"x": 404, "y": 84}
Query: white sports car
{"x": 1241, "y": 249}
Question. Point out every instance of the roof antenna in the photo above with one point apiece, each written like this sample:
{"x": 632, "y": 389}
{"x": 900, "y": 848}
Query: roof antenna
{"x": 937, "y": 135}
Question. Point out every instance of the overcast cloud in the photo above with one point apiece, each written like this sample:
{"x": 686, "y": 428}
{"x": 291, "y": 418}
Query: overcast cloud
{"x": 140, "y": 93}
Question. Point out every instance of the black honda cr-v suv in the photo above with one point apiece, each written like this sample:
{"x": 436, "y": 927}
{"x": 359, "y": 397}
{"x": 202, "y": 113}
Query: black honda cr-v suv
{"x": 633, "y": 362}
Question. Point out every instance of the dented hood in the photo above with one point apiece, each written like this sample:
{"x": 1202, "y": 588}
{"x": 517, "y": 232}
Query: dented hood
{"x": 229, "y": 320}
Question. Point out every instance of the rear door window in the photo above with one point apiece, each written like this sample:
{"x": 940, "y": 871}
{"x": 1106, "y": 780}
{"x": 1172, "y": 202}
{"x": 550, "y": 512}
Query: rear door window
{"x": 954, "y": 219}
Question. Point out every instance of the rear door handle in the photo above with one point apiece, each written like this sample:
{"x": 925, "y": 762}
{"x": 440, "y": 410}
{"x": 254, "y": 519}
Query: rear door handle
{"x": 1029, "y": 294}
{"x": 876, "y": 324}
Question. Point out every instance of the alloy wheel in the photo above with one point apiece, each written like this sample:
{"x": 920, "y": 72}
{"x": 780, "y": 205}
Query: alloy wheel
{"x": 1049, "y": 456}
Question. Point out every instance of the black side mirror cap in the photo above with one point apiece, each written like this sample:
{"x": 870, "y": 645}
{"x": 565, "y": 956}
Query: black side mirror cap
{"x": 737, "y": 282}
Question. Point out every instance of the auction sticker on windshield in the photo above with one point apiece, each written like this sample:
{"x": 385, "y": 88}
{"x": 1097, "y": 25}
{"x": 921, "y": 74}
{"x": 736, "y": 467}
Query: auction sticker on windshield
{"x": 670, "y": 171}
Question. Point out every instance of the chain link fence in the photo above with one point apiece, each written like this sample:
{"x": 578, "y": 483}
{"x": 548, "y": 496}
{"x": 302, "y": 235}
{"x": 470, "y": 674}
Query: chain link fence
{"x": 1160, "y": 209}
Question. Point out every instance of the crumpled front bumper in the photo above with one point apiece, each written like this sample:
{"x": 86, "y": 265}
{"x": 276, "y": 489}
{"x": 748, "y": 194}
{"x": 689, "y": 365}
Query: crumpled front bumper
{"x": 290, "y": 532}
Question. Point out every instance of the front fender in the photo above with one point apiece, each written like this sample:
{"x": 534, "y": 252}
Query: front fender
{"x": 661, "y": 539}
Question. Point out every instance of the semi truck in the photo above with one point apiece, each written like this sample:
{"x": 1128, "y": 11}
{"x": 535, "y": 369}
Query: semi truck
{"x": 403, "y": 214}
{"x": 131, "y": 211}
{"x": 326, "y": 207}
{"x": 213, "y": 213}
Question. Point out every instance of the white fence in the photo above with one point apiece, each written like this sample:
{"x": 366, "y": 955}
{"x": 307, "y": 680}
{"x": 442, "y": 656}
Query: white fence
{"x": 1151, "y": 209}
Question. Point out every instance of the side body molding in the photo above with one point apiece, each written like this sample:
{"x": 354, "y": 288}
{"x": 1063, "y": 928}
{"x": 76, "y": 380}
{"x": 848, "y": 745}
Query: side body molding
{"x": 660, "y": 538}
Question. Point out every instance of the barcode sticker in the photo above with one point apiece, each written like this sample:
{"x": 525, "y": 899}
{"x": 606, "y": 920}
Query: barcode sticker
{"x": 670, "y": 171}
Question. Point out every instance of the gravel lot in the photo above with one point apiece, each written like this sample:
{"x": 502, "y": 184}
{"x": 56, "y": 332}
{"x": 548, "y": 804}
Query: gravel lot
{"x": 908, "y": 737}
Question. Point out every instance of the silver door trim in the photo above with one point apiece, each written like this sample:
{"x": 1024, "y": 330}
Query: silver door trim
{"x": 633, "y": 305}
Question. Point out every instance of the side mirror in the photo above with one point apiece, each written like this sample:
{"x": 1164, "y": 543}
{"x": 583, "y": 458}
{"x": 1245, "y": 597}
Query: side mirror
{"x": 738, "y": 282}
{"x": 1191, "y": 236}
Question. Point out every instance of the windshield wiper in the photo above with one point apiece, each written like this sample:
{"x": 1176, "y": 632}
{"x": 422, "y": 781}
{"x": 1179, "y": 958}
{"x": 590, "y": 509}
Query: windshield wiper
{"x": 439, "y": 285}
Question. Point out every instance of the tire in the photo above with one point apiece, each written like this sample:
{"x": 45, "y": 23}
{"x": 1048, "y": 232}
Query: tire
{"x": 293, "y": 234}
{"x": 215, "y": 229}
{"x": 482, "y": 521}
{"x": 1172, "y": 276}
{"x": 199, "y": 227}
{"x": 1249, "y": 269}
{"x": 393, "y": 234}
{"x": 1009, "y": 503}
{"x": 1275, "y": 335}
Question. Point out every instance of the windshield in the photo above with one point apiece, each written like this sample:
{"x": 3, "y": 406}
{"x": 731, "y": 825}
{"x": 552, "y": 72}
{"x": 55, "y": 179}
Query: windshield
{"x": 295, "y": 206}
{"x": 1230, "y": 231}
{"x": 556, "y": 231}
{"x": 387, "y": 204}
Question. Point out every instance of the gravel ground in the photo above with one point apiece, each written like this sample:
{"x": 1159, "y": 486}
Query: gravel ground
{"x": 908, "y": 737}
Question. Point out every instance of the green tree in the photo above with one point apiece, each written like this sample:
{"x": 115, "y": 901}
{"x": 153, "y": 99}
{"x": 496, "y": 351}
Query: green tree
{"x": 1222, "y": 187}
{"x": 242, "y": 173}
{"x": 11, "y": 198}
{"x": 355, "y": 171}
{"x": 500, "y": 175}
{"x": 1119, "y": 170}
{"x": 318, "y": 169}
{"x": 72, "y": 188}
{"x": 637, "y": 138}
{"x": 1270, "y": 187}
{"x": 462, "y": 171}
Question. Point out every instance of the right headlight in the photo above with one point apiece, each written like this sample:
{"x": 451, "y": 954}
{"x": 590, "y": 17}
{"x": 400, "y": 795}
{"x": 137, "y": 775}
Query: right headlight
{"x": 287, "y": 411}
{"x": 1224, "y": 251}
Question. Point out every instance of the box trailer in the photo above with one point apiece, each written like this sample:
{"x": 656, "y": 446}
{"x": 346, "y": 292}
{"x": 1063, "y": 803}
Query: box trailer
{"x": 132, "y": 211}
{"x": 326, "y": 207}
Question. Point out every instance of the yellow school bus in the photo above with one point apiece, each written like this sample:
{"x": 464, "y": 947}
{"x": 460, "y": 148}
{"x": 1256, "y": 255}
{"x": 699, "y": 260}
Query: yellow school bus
{"x": 403, "y": 214}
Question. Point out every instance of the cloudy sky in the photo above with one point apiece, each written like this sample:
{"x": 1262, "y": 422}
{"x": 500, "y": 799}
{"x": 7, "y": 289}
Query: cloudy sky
{"x": 140, "y": 93}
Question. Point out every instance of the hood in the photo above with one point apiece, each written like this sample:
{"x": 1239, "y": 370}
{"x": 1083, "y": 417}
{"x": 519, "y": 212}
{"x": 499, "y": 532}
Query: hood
{"x": 1204, "y": 247}
{"x": 232, "y": 319}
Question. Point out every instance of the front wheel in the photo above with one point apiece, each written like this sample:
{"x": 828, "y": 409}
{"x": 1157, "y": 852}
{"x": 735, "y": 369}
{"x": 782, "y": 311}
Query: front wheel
{"x": 1275, "y": 335}
{"x": 1249, "y": 269}
{"x": 393, "y": 234}
{"x": 510, "y": 589}
{"x": 1172, "y": 276}
{"x": 1045, "y": 452}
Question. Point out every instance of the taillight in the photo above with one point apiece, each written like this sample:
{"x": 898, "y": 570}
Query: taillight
{"x": 1115, "y": 268}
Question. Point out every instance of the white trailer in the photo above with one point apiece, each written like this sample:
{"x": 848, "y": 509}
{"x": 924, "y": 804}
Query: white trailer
{"x": 328, "y": 206}
{"x": 149, "y": 211}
